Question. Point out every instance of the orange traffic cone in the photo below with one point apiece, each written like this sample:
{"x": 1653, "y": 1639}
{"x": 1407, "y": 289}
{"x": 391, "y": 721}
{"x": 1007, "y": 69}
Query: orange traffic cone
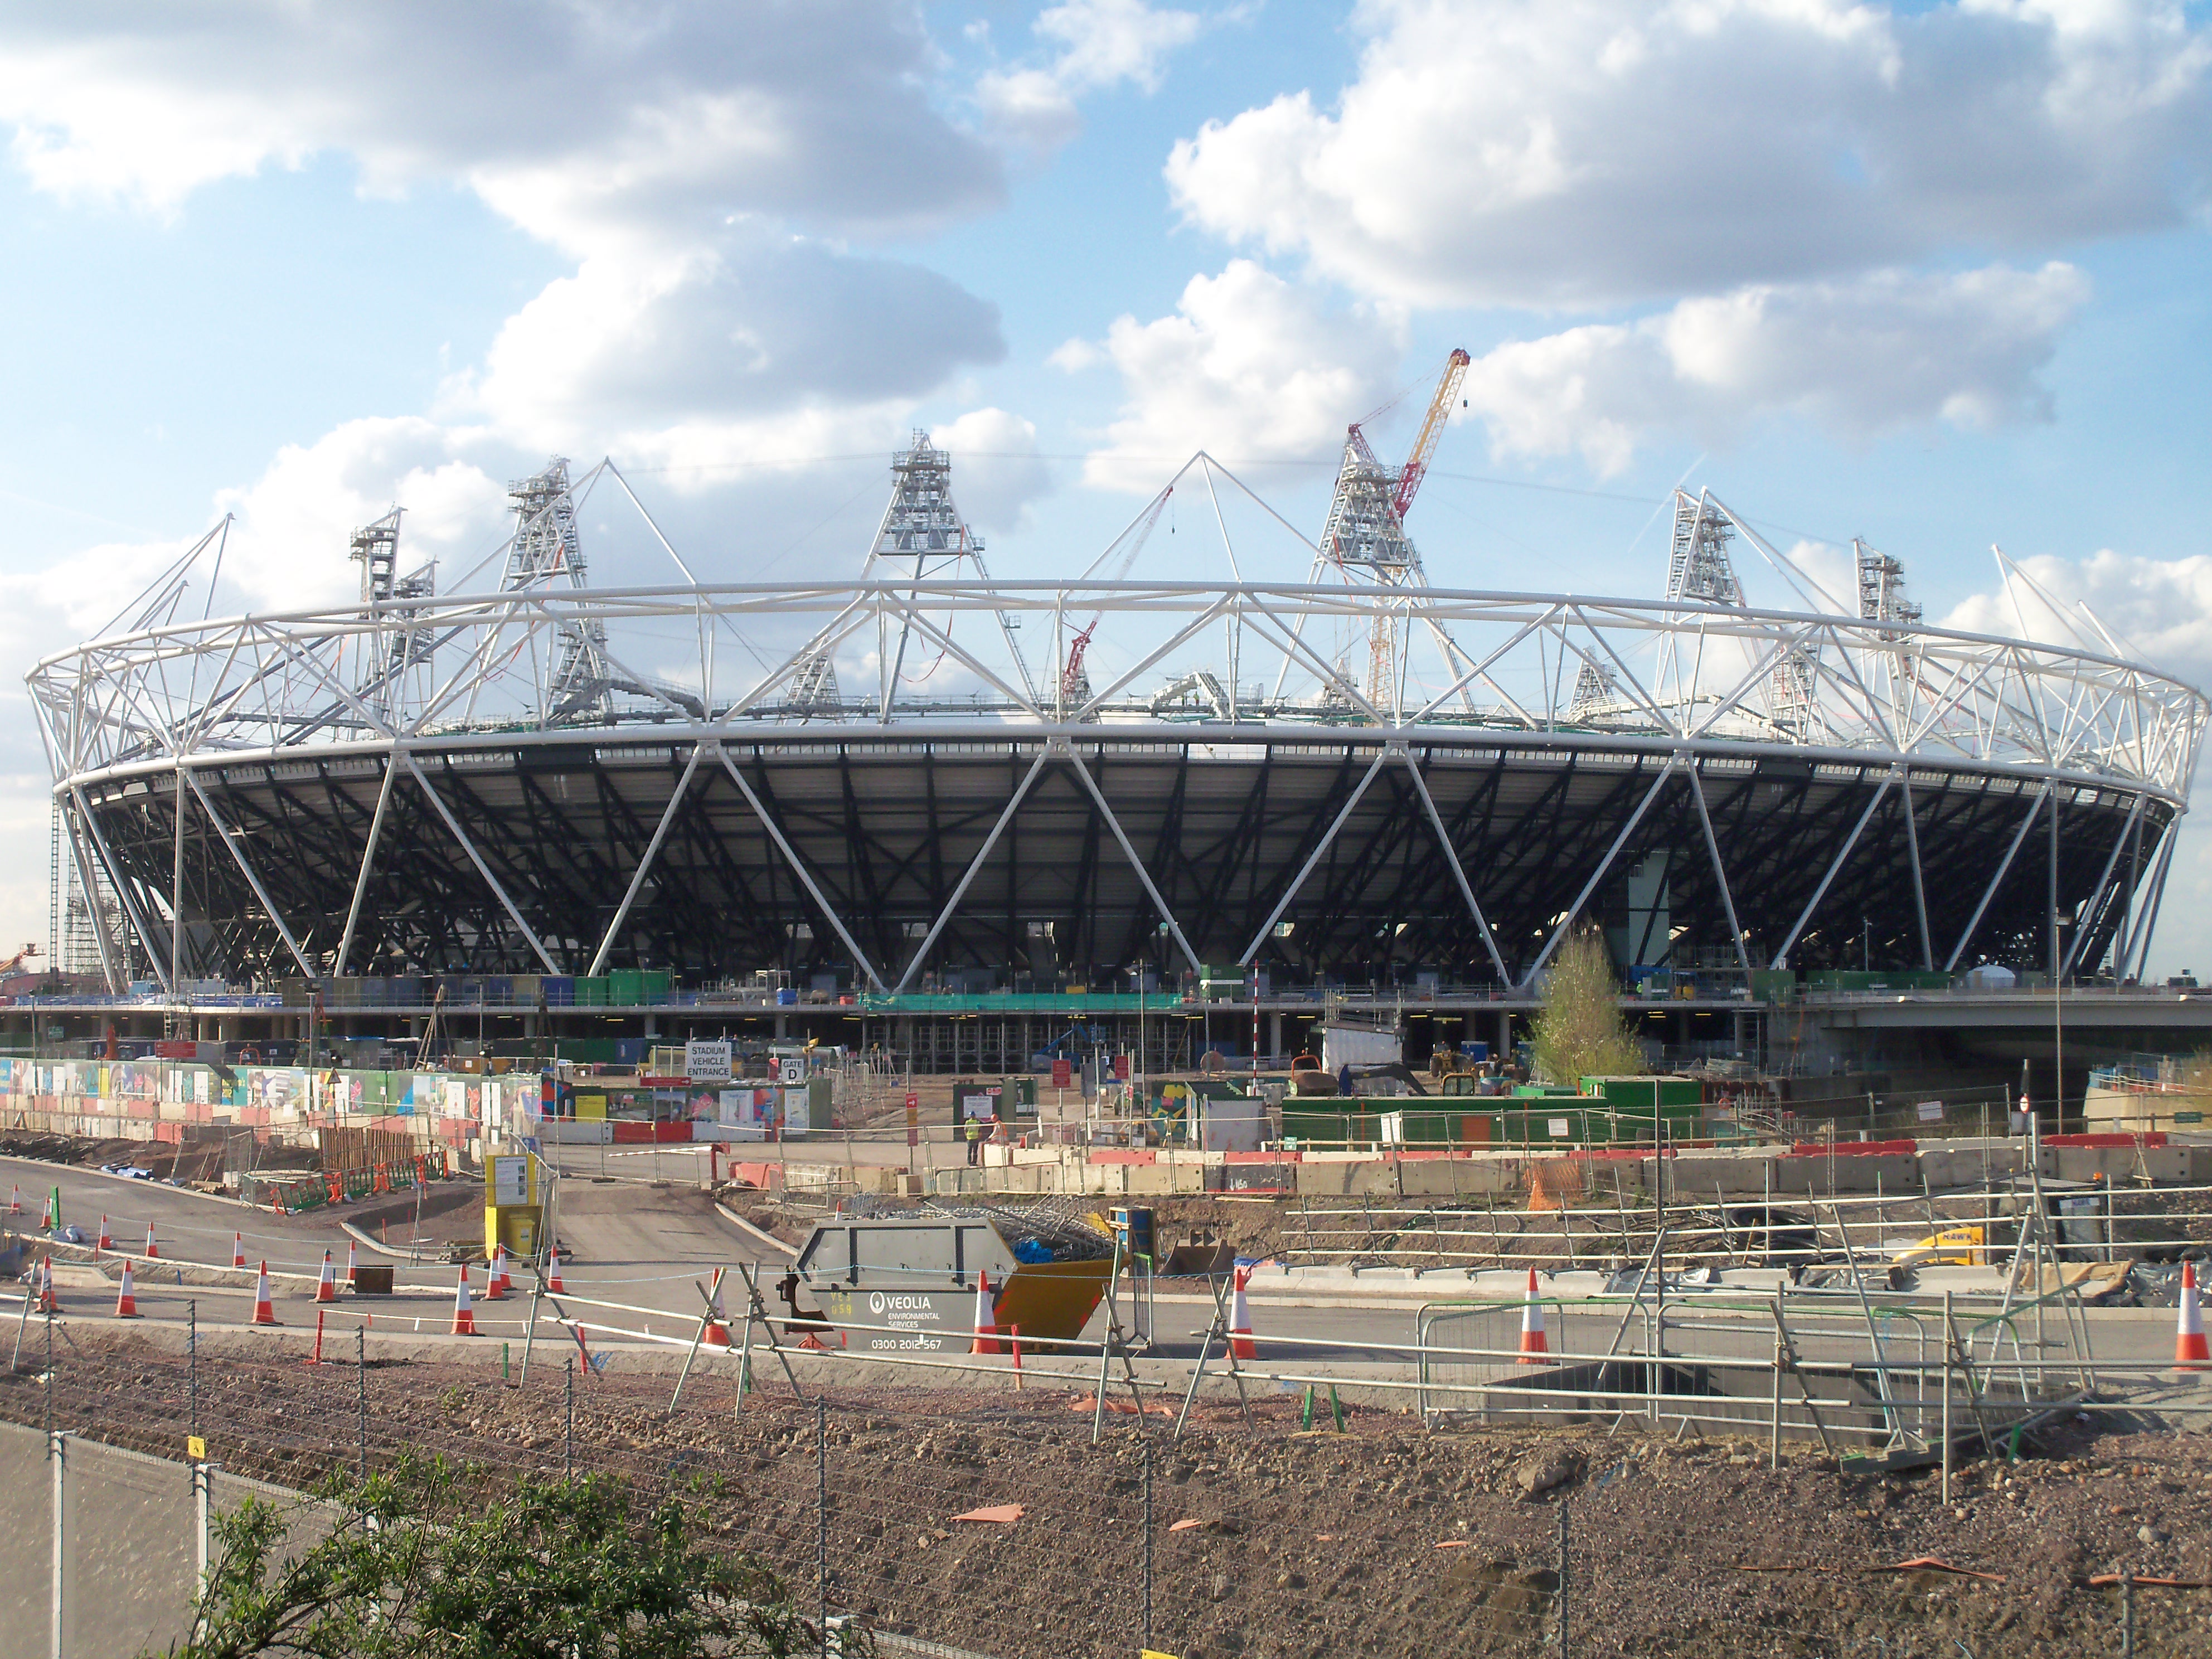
{"x": 553, "y": 1284}
{"x": 238, "y": 1249}
{"x": 46, "y": 1302}
{"x": 105, "y": 1242}
{"x": 153, "y": 1250}
{"x": 1239, "y": 1314}
{"x": 986, "y": 1329}
{"x": 496, "y": 1277}
{"x": 264, "y": 1308}
{"x": 352, "y": 1266}
{"x": 15, "y": 1200}
{"x": 464, "y": 1319}
{"x": 326, "y": 1288}
{"x": 47, "y": 1219}
{"x": 718, "y": 1328}
{"x": 127, "y": 1295}
{"x": 1533, "y": 1341}
{"x": 2189, "y": 1350}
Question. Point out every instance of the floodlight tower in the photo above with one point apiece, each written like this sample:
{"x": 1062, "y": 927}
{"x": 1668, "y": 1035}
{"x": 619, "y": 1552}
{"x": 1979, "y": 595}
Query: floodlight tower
{"x": 1881, "y": 598}
{"x": 922, "y": 536}
{"x": 375, "y": 547}
{"x": 1366, "y": 526}
{"x": 546, "y": 551}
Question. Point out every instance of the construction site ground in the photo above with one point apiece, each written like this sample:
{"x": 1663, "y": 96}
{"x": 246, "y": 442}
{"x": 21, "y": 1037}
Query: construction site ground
{"x": 199, "y": 1164}
{"x": 1386, "y": 1538}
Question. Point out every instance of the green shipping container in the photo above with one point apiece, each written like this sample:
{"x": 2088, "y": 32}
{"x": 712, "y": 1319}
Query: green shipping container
{"x": 1647, "y": 1094}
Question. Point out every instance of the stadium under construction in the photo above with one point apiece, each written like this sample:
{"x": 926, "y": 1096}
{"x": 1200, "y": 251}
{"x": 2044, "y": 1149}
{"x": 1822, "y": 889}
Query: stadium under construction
{"x": 974, "y": 820}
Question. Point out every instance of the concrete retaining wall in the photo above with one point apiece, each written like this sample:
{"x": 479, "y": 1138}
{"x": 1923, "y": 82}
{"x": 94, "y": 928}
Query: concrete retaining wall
{"x": 1702, "y": 1173}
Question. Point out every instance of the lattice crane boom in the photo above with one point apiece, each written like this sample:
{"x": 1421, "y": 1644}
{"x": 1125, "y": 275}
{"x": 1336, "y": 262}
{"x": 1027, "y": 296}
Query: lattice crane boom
{"x": 1432, "y": 431}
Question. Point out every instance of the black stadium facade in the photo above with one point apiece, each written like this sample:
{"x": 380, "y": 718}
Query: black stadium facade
{"x": 932, "y": 779}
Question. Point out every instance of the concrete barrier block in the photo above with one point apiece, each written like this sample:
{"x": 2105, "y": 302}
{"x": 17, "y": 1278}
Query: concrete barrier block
{"x": 1342, "y": 1178}
{"x": 1694, "y": 1177}
{"x": 2170, "y": 1164}
{"x": 1880, "y": 1172}
{"x": 1443, "y": 1177}
{"x": 1943, "y": 1166}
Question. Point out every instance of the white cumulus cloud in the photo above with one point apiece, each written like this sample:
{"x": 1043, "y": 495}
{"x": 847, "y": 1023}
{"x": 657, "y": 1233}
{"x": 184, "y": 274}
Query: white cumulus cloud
{"x": 2159, "y": 611}
{"x": 1532, "y": 153}
{"x": 1094, "y": 44}
{"x": 754, "y": 327}
{"x": 1859, "y": 357}
{"x": 996, "y": 470}
{"x": 706, "y": 164}
{"x": 1248, "y": 366}
{"x": 578, "y": 120}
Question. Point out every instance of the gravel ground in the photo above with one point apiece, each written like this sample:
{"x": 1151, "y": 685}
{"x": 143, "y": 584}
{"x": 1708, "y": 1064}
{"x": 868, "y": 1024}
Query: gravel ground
{"x": 1384, "y": 1539}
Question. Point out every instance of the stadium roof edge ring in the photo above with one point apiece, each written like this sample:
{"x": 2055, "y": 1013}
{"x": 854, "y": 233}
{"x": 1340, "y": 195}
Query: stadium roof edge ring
{"x": 918, "y": 774}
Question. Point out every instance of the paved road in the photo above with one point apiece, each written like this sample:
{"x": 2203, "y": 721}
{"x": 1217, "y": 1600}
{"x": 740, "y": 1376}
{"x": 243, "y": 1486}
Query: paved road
{"x": 188, "y": 1226}
{"x": 646, "y": 1247}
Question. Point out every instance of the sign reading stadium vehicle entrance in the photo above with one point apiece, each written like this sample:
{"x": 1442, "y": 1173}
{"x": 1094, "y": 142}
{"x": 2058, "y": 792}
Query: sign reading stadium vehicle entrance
{"x": 707, "y": 1062}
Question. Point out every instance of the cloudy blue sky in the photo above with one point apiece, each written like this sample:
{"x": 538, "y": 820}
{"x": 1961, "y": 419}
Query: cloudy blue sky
{"x": 1936, "y": 274}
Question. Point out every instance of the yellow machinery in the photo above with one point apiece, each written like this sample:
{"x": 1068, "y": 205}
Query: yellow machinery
{"x": 1954, "y": 1247}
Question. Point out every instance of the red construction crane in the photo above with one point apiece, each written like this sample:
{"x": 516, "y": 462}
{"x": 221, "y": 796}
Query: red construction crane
{"x": 1075, "y": 684}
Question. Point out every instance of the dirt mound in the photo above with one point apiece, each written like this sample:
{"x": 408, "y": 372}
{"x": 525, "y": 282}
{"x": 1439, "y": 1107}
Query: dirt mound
{"x": 1265, "y": 1542}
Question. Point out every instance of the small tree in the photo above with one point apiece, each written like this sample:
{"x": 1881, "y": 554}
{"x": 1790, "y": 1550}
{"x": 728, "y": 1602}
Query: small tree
{"x": 429, "y": 1559}
{"x": 1579, "y": 1031}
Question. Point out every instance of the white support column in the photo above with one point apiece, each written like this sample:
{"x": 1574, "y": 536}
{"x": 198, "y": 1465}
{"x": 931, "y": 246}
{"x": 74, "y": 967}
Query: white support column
{"x": 1066, "y": 750}
{"x": 1782, "y": 956}
{"x": 117, "y": 982}
{"x": 367, "y": 860}
{"x": 177, "y": 888}
{"x": 2126, "y": 944}
{"x": 805, "y": 876}
{"x": 476, "y": 859}
{"x": 2149, "y": 924}
{"x": 2097, "y": 893}
{"x": 138, "y": 923}
{"x": 1312, "y": 858}
{"x": 1720, "y": 874}
{"x": 1997, "y": 880}
{"x": 651, "y": 850}
{"x": 1598, "y": 874}
{"x": 1920, "y": 884}
{"x": 238, "y": 855}
{"x": 1459, "y": 870}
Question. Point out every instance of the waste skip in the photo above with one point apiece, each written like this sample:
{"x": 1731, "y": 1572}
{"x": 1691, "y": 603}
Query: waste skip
{"x": 908, "y": 1284}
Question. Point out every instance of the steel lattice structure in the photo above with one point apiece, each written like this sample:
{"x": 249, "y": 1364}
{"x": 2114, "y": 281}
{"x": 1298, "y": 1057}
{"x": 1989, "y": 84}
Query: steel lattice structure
{"x": 428, "y": 782}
